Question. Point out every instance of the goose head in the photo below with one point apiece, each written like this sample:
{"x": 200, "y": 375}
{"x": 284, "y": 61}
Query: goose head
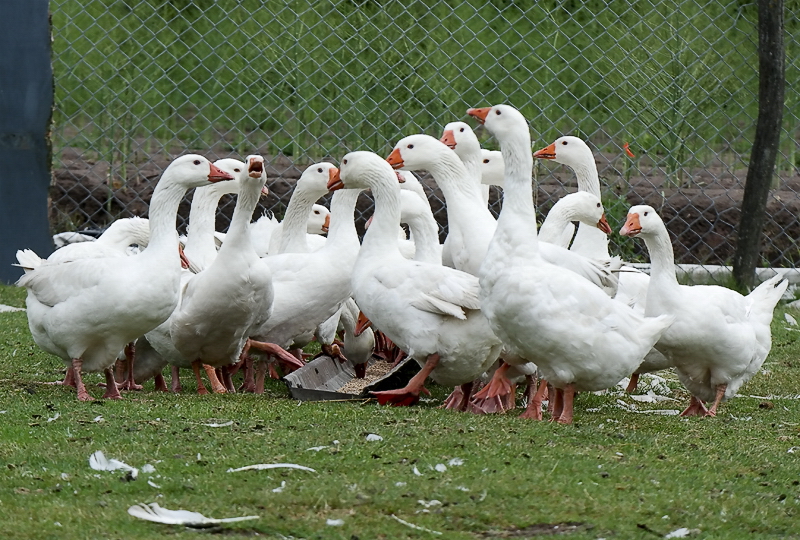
{"x": 493, "y": 168}
{"x": 237, "y": 169}
{"x": 417, "y": 152}
{"x": 459, "y": 136}
{"x": 319, "y": 220}
{"x": 363, "y": 170}
{"x": 315, "y": 178}
{"x": 256, "y": 173}
{"x": 503, "y": 121}
{"x": 585, "y": 207}
{"x": 641, "y": 220}
{"x": 567, "y": 150}
{"x": 193, "y": 170}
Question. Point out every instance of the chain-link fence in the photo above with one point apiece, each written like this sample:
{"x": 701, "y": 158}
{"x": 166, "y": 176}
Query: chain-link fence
{"x": 138, "y": 82}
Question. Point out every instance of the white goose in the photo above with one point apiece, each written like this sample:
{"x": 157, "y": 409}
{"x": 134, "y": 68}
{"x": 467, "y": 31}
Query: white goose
{"x": 224, "y": 303}
{"x": 311, "y": 287}
{"x": 291, "y": 236}
{"x": 430, "y": 311}
{"x": 86, "y": 311}
{"x": 470, "y": 223}
{"x": 719, "y": 338}
{"x": 261, "y": 230}
{"x": 580, "y": 206}
{"x": 578, "y": 337}
{"x": 492, "y": 168}
{"x": 632, "y": 288}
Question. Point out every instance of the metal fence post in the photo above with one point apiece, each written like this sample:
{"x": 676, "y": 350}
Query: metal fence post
{"x": 26, "y": 104}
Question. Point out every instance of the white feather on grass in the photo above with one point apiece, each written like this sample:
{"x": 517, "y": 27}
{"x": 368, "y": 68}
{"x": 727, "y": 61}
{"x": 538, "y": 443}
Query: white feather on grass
{"x": 154, "y": 512}
{"x": 99, "y": 462}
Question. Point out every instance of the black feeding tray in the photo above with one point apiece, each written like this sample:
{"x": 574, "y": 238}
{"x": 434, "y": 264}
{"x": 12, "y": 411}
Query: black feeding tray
{"x": 320, "y": 380}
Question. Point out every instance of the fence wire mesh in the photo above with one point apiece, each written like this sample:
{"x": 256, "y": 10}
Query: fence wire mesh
{"x": 138, "y": 82}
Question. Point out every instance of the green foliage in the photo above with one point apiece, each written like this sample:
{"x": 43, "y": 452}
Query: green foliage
{"x": 312, "y": 78}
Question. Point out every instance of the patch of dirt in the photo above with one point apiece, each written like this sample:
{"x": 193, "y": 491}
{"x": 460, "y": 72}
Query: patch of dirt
{"x": 701, "y": 213}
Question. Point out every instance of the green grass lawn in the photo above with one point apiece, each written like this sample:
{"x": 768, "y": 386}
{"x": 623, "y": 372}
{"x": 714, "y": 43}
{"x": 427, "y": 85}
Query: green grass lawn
{"x": 613, "y": 474}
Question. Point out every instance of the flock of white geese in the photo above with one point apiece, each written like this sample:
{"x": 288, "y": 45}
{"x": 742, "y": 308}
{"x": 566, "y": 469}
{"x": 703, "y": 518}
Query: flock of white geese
{"x": 495, "y": 303}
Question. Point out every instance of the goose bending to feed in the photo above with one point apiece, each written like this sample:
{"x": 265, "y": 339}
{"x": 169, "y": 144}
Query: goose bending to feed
{"x": 580, "y": 339}
{"x": 86, "y": 311}
{"x": 720, "y": 338}
{"x": 430, "y": 311}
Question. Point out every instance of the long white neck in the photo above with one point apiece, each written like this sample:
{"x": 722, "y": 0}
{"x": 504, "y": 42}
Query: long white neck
{"x": 559, "y": 216}
{"x": 425, "y": 233}
{"x": 587, "y": 177}
{"x": 200, "y": 245}
{"x": 294, "y": 224}
{"x": 238, "y": 237}
{"x": 662, "y": 259}
{"x": 457, "y": 185}
{"x": 342, "y": 231}
{"x": 162, "y": 216}
{"x": 471, "y": 158}
{"x": 381, "y": 237}
{"x": 516, "y": 226}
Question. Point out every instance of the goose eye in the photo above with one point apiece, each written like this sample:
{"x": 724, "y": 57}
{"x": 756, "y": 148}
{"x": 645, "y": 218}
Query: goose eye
{"x": 316, "y": 212}
{"x": 645, "y": 213}
{"x": 564, "y": 143}
{"x": 461, "y": 130}
{"x": 344, "y": 162}
{"x": 410, "y": 146}
{"x": 197, "y": 162}
{"x": 486, "y": 161}
{"x": 598, "y": 205}
{"x": 497, "y": 113}
{"x": 319, "y": 169}
{"x": 237, "y": 170}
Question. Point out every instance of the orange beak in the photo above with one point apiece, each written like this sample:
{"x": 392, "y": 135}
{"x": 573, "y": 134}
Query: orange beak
{"x": 395, "y": 159}
{"x": 215, "y": 174}
{"x": 184, "y": 261}
{"x": 334, "y": 181}
{"x": 632, "y": 226}
{"x": 546, "y": 153}
{"x": 327, "y": 224}
{"x": 255, "y": 167}
{"x": 603, "y": 225}
{"x": 479, "y": 114}
{"x": 361, "y": 324}
{"x": 449, "y": 139}
{"x": 265, "y": 190}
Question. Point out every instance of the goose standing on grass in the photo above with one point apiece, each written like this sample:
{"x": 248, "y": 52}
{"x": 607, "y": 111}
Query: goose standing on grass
{"x": 430, "y": 311}
{"x": 632, "y": 288}
{"x": 311, "y": 287}
{"x": 580, "y": 339}
{"x": 86, "y": 311}
{"x": 720, "y": 338}
{"x": 224, "y": 303}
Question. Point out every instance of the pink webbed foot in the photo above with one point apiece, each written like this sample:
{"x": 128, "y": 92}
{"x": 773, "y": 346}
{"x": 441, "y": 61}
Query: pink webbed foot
{"x": 695, "y": 408}
{"x": 160, "y": 383}
{"x": 459, "y": 399}
{"x": 112, "y": 392}
{"x": 534, "y": 409}
{"x": 175, "y": 382}
{"x": 249, "y": 383}
{"x": 494, "y": 396}
{"x": 403, "y": 397}
{"x": 409, "y": 395}
{"x": 130, "y": 358}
